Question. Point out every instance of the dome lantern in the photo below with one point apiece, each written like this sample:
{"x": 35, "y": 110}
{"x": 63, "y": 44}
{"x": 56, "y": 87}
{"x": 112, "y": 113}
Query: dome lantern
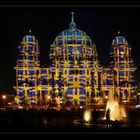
{"x": 30, "y": 32}
{"x": 119, "y": 39}
{"x": 118, "y": 33}
{"x": 72, "y": 24}
{"x": 72, "y": 35}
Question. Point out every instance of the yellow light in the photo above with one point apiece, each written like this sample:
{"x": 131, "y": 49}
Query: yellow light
{"x": 26, "y": 53}
{"x": 87, "y": 115}
{"x": 106, "y": 97}
{"x": 3, "y": 96}
{"x": 9, "y": 103}
{"x": 49, "y": 97}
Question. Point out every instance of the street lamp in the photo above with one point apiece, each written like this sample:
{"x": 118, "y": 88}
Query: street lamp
{"x": 48, "y": 97}
{"x": 4, "y": 97}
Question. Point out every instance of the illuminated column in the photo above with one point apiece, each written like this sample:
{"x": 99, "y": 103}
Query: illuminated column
{"x": 123, "y": 65}
{"x": 26, "y": 69}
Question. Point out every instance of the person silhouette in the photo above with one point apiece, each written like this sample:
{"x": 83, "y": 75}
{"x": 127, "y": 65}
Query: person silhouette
{"x": 108, "y": 117}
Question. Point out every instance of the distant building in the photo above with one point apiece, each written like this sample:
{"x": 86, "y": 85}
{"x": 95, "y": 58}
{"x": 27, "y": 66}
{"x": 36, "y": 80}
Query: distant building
{"x": 75, "y": 75}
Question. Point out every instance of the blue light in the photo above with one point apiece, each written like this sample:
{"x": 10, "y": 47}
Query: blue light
{"x": 20, "y": 57}
{"x": 20, "y": 71}
{"x": 79, "y": 33}
{"x": 30, "y": 57}
{"x": 72, "y": 58}
{"x": 133, "y": 93}
{"x": 82, "y": 80}
{"x": 32, "y": 103}
{"x": 60, "y": 83}
{"x": 71, "y": 66}
{"x": 131, "y": 73}
{"x": 31, "y": 93}
{"x": 21, "y": 93}
{"x": 132, "y": 83}
{"x": 109, "y": 72}
{"x": 30, "y": 48}
{"x": 114, "y": 40}
{"x": 43, "y": 71}
{"x": 60, "y": 34}
{"x": 69, "y": 91}
{"x": 69, "y": 33}
{"x": 109, "y": 82}
{"x": 111, "y": 49}
{"x": 131, "y": 66}
{"x": 70, "y": 49}
{"x": 79, "y": 41}
{"x": 60, "y": 42}
{"x": 120, "y": 39}
{"x": 61, "y": 66}
{"x": 82, "y": 103}
{"x": 82, "y": 91}
{"x": 20, "y": 81}
{"x": 32, "y": 83}
{"x": 80, "y": 49}
{"x": 53, "y": 83}
{"x": 121, "y": 73}
{"x": 30, "y": 39}
{"x": 82, "y": 66}
{"x": 39, "y": 82}
{"x": 31, "y": 72}
{"x": 38, "y": 49}
{"x": 82, "y": 71}
{"x": 69, "y": 41}
{"x": 82, "y": 97}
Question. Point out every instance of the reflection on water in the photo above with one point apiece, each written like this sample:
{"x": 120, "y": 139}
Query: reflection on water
{"x": 85, "y": 120}
{"x": 74, "y": 120}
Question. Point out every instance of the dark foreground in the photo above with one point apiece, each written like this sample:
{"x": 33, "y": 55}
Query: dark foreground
{"x": 49, "y": 121}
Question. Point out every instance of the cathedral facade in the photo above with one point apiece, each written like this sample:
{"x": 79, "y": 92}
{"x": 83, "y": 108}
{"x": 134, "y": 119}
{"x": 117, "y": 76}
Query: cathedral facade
{"x": 74, "y": 76}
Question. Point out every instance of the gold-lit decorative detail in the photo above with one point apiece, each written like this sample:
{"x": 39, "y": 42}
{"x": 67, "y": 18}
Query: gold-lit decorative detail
{"x": 74, "y": 76}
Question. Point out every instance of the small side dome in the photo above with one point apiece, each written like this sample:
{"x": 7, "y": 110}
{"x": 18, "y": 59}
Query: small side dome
{"x": 119, "y": 39}
{"x": 29, "y": 38}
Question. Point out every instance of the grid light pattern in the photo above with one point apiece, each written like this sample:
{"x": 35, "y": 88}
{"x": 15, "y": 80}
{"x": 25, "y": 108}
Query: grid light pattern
{"x": 75, "y": 76}
{"x": 124, "y": 67}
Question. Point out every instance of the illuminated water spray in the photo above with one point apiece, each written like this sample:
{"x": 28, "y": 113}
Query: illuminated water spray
{"x": 87, "y": 116}
{"x": 116, "y": 111}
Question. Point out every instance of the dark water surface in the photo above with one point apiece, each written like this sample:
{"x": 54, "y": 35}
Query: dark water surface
{"x": 64, "y": 121}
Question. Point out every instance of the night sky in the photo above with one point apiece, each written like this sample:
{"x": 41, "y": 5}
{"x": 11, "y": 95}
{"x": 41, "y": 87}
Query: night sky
{"x": 100, "y": 23}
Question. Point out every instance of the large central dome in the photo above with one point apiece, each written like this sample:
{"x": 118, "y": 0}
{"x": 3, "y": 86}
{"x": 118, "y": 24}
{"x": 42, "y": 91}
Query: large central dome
{"x": 72, "y": 35}
{"x": 73, "y": 48}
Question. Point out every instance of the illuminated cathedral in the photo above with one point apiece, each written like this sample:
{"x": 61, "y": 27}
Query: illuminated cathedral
{"x": 74, "y": 76}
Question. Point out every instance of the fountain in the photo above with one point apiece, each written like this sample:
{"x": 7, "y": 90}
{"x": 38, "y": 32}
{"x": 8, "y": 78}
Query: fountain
{"x": 87, "y": 115}
{"x": 117, "y": 112}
